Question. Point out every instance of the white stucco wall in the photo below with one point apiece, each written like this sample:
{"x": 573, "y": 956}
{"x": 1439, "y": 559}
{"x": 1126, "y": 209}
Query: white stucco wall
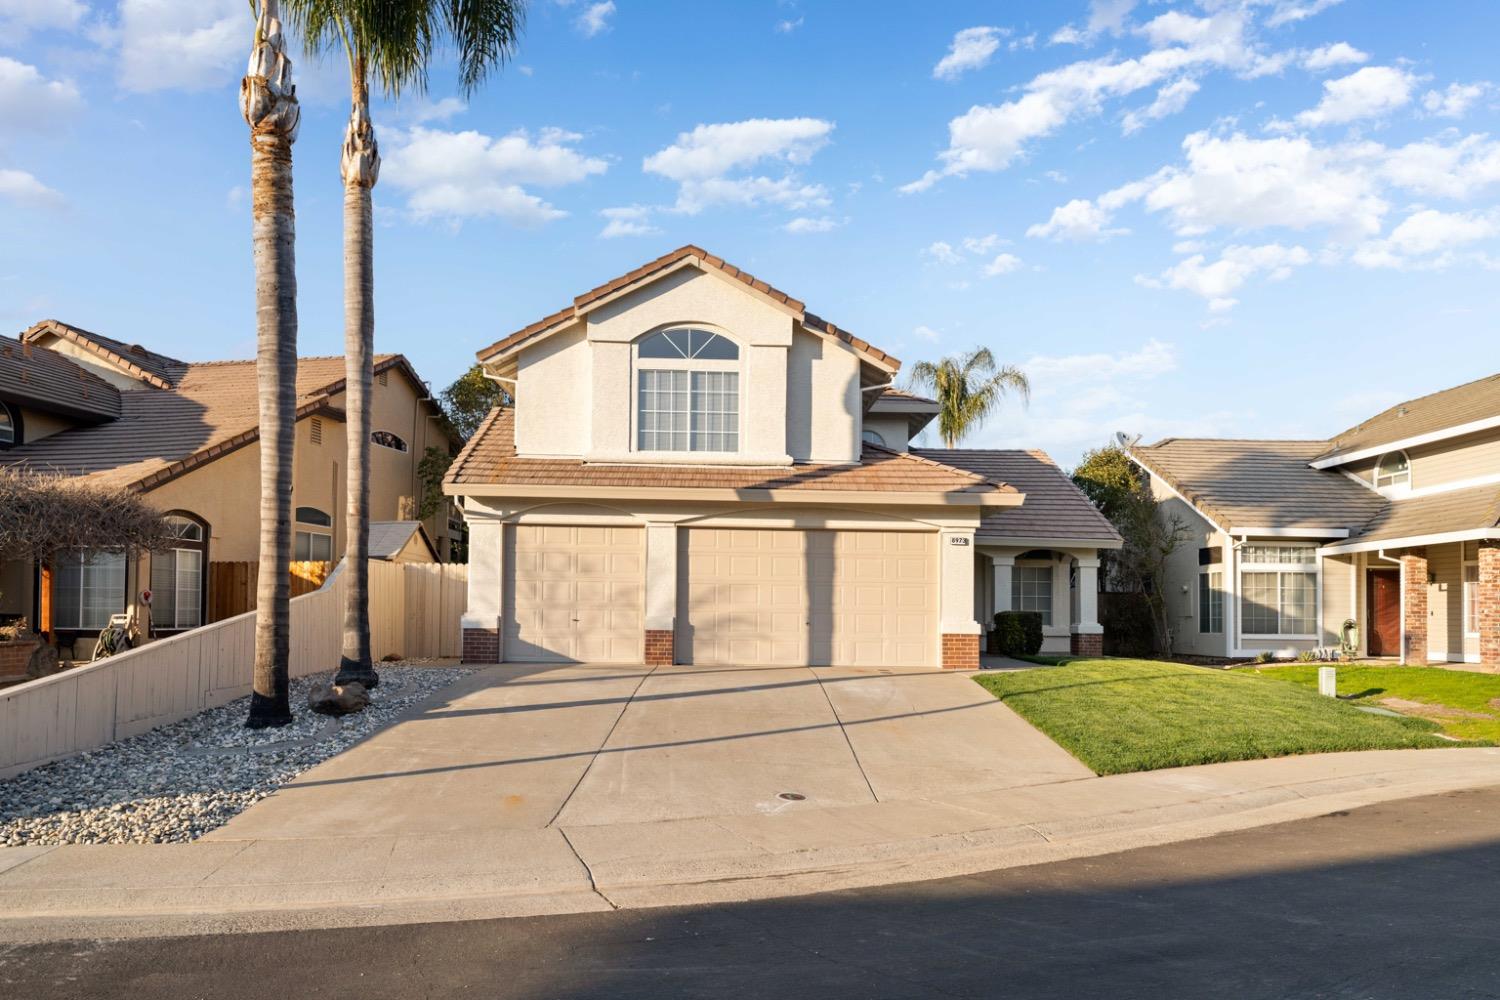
{"x": 822, "y": 400}
{"x": 893, "y": 429}
{"x": 552, "y": 394}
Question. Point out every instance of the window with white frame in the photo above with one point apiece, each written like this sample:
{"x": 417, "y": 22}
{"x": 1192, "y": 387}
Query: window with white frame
{"x": 1279, "y": 591}
{"x": 311, "y": 544}
{"x": 1031, "y": 590}
{"x": 10, "y": 427}
{"x": 1393, "y": 470}
{"x": 1471, "y": 588}
{"x": 873, "y": 437}
{"x": 177, "y": 575}
{"x": 687, "y": 392}
{"x": 87, "y": 588}
{"x": 1210, "y": 600}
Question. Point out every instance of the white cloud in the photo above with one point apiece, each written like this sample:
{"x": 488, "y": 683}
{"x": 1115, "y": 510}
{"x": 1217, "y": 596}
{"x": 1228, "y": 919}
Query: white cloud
{"x": 188, "y": 44}
{"x": 1105, "y": 17}
{"x": 458, "y": 175}
{"x": 1371, "y": 92}
{"x": 787, "y": 26}
{"x": 1080, "y": 220}
{"x": 1428, "y": 239}
{"x": 808, "y": 224}
{"x": 19, "y": 17}
{"x": 700, "y": 160}
{"x": 982, "y": 244}
{"x": 424, "y": 110}
{"x": 1330, "y": 56}
{"x": 1170, "y": 100}
{"x": 927, "y": 333}
{"x": 1055, "y": 371}
{"x": 1456, "y": 101}
{"x": 1433, "y": 168}
{"x": 942, "y": 252}
{"x": 31, "y": 102}
{"x": 970, "y": 49}
{"x": 1291, "y": 11}
{"x": 1217, "y": 281}
{"x": 24, "y": 189}
{"x": 594, "y": 18}
{"x": 1003, "y": 263}
{"x": 992, "y": 137}
{"x": 627, "y": 220}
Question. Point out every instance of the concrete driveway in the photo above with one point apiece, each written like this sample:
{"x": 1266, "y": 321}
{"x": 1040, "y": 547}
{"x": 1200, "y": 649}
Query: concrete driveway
{"x": 531, "y": 747}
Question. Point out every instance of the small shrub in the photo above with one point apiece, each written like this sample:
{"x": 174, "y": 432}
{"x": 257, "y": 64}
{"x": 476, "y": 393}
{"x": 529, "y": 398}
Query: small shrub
{"x": 1265, "y": 656}
{"x": 1308, "y": 656}
{"x": 1017, "y": 633}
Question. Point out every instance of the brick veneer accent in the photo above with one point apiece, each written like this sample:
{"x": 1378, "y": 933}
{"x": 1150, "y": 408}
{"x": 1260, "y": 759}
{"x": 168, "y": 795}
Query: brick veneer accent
{"x": 1087, "y": 644}
{"x": 960, "y": 651}
{"x": 659, "y": 647}
{"x": 481, "y": 645}
{"x": 1414, "y": 601}
{"x": 1489, "y": 603}
{"x": 15, "y": 657}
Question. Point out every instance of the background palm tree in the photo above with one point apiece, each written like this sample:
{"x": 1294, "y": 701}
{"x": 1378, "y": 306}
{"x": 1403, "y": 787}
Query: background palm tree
{"x": 968, "y": 388}
{"x": 393, "y": 41}
{"x": 268, "y": 100}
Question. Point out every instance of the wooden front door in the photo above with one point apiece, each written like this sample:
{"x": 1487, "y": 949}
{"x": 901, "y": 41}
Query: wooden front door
{"x": 1384, "y": 612}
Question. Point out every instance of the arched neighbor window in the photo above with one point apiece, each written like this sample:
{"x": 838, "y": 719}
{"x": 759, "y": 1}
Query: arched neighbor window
{"x": 314, "y": 537}
{"x": 873, "y": 437}
{"x": 388, "y": 440}
{"x": 1393, "y": 469}
{"x": 177, "y": 591}
{"x": 687, "y": 392}
{"x": 10, "y": 427}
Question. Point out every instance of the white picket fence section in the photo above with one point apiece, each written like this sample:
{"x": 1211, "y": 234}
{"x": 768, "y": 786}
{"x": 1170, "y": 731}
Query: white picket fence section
{"x": 414, "y": 612}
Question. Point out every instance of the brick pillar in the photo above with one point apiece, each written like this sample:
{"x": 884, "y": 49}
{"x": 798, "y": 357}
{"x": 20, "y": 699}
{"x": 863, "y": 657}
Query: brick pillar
{"x": 659, "y": 647}
{"x": 1087, "y": 644}
{"x": 1489, "y": 603}
{"x": 481, "y": 645}
{"x": 1414, "y": 605}
{"x": 961, "y": 651}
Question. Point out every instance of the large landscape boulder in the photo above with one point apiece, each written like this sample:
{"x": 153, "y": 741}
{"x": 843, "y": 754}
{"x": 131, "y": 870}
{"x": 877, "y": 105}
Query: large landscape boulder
{"x": 338, "y": 699}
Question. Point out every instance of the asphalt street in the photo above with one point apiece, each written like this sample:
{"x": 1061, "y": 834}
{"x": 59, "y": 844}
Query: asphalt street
{"x": 1400, "y": 900}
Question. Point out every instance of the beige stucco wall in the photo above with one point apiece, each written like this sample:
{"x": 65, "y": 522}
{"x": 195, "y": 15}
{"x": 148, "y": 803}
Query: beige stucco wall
{"x": 98, "y": 366}
{"x": 1181, "y": 591}
{"x": 36, "y": 425}
{"x": 1340, "y": 593}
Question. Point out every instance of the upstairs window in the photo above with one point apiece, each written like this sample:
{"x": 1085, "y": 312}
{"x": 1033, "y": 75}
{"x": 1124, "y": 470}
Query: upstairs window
{"x": 687, "y": 392}
{"x": 873, "y": 437}
{"x": 311, "y": 544}
{"x": 388, "y": 440}
{"x": 1393, "y": 469}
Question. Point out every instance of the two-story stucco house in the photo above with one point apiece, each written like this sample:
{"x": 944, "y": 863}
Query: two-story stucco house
{"x": 699, "y": 470}
{"x": 185, "y": 435}
{"x": 1387, "y": 534}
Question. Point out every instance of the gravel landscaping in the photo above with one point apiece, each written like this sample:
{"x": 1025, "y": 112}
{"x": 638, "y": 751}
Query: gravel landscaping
{"x": 178, "y": 782}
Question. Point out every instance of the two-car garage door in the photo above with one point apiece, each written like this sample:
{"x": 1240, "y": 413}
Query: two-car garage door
{"x": 745, "y": 596}
{"x": 851, "y": 598}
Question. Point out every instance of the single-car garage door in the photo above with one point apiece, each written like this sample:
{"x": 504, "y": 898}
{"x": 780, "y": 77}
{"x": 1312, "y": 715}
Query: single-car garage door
{"x": 789, "y": 598}
{"x": 574, "y": 594}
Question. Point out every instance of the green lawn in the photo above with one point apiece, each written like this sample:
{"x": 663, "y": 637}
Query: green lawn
{"x": 1139, "y": 715}
{"x": 1466, "y": 705}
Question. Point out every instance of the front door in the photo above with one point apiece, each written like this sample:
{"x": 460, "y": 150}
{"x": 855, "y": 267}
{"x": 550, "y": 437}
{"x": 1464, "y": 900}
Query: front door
{"x": 1385, "y": 612}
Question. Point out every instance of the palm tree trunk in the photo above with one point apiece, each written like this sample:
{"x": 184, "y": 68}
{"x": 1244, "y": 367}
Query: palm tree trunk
{"x": 360, "y": 166}
{"x": 268, "y": 101}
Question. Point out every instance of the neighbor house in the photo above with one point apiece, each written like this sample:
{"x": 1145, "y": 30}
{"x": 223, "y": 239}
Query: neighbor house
{"x": 1385, "y": 537}
{"x": 184, "y": 434}
{"x": 697, "y": 469}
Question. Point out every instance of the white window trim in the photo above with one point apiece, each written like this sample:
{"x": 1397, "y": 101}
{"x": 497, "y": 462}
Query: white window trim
{"x": 197, "y": 604}
{"x": 1242, "y": 567}
{"x": 1198, "y": 598}
{"x": 1393, "y": 488}
{"x": 639, "y": 364}
{"x": 1046, "y": 564}
{"x": 77, "y": 625}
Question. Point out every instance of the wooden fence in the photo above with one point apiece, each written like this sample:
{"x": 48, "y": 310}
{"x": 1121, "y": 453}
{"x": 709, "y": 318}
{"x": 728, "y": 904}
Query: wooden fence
{"x": 414, "y": 612}
{"x": 231, "y": 585}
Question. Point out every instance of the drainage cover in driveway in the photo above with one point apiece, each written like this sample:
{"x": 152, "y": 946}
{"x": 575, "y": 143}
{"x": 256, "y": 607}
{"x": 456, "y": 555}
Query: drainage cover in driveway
{"x": 792, "y": 796}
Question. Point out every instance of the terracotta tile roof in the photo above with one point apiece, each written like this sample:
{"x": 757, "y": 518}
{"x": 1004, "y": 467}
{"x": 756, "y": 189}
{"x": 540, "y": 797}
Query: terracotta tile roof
{"x": 46, "y": 380}
{"x": 1438, "y": 411}
{"x": 212, "y": 411}
{"x": 1438, "y": 513}
{"x": 663, "y": 263}
{"x": 154, "y": 369}
{"x": 1259, "y": 484}
{"x": 490, "y": 459}
{"x": 1054, "y": 507}
{"x": 891, "y": 392}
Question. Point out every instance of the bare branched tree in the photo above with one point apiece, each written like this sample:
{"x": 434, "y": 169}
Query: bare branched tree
{"x": 43, "y": 515}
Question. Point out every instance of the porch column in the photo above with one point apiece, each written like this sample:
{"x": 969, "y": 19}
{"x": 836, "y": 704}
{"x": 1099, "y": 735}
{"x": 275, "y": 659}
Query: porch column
{"x": 1489, "y": 603}
{"x": 959, "y": 638}
{"x": 1087, "y": 638}
{"x": 481, "y": 619}
{"x": 661, "y": 593}
{"x": 1414, "y": 606}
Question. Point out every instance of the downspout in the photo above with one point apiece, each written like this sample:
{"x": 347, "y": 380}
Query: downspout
{"x": 1401, "y": 586}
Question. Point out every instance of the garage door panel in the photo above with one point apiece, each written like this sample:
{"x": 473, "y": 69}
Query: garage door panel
{"x": 573, "y": 593}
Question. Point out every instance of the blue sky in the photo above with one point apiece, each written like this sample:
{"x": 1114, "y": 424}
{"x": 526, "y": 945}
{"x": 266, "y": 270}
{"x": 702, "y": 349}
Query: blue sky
{"x": 1251, "y": 218}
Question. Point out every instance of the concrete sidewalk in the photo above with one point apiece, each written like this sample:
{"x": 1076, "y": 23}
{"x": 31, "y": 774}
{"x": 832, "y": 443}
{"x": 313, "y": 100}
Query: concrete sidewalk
{"x": 574, "y": 789}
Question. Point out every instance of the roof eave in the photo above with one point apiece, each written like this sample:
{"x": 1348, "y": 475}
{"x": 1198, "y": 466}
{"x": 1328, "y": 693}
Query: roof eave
{"x": 882, "y": 498}
{"x": 1407, "y": 541}
{"x": 1045, "y": 541}
{"x": 1331, "y": 459}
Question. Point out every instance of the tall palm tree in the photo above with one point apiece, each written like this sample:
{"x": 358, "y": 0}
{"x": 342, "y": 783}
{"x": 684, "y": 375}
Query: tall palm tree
{"x": 268, "y": 100}
{"x": 393, "y": 41}
{"x": 968, "y": 389}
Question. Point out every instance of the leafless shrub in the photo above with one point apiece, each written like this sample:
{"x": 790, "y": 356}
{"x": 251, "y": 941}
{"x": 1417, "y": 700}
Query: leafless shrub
{"x": 44, "y": 514}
